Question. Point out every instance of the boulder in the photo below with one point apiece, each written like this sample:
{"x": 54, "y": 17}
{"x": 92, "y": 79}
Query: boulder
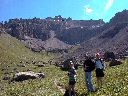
{"x": 14, "y": 69}
{"x": 21, "y": 65}
{"x": 6, "y": 78}
{"x": 3, "y": 69}
{"x": 6, "y": 72}
{"x": 115, "y": 63}
{"x": 21, "y": 61}
{"x": 21, "y": 76}
{"x": 66, "y": 64}
{"x": 33, "y": 62}
{"x": 40, "y": 64}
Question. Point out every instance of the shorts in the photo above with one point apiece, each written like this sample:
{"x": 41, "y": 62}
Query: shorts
{"x": 73, "y": 82}
{"x": 99, "y": 72}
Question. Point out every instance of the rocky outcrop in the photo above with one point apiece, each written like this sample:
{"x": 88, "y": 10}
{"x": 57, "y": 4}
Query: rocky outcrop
{"x": 113, "y": 38}
{"x": 64, "y": 33}
{"x": 120, "y": 17}
{"x": 37, "y": 34}
{"x": 65, "y": 65}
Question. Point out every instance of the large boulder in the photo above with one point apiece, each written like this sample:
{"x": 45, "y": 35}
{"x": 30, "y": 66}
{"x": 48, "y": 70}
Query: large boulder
{"x": 40, "y": 65}
{"x": 66, "y": 64}
{"x": 21, "y": 76}
{"x": 115, "y": 63}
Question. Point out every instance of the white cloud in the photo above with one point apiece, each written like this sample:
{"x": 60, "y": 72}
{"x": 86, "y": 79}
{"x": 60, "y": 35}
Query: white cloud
{"x": 108, "y": 5}
{"x": 88, "y": 10}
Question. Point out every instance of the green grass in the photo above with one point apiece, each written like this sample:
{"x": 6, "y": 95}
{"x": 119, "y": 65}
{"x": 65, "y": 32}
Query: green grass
{"x": 39, "y": 87}
{"x": 115, "y": 83}
{"x": 12, "y": 51}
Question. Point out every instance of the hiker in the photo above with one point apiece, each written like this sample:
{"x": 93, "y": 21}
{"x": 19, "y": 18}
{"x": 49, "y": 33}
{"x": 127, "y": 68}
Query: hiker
{"x": 89, "y": 66}
{"x": 99, "y": 70}
{"x": 72, "y": 79}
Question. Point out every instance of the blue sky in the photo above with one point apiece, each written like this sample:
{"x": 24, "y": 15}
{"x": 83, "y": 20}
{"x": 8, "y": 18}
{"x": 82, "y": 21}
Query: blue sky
{"x": 76, "y": 9}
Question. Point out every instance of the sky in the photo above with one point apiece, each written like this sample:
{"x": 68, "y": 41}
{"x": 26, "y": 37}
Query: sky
{"x": 76, "y": 9}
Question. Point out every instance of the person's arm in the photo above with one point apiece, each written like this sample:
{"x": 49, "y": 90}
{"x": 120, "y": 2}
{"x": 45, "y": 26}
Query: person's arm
{"x": 69, "y": 71}
{"x": 74, "y": 71}
{"x": 103, "y": 64}
{"x": 85, "y": 66}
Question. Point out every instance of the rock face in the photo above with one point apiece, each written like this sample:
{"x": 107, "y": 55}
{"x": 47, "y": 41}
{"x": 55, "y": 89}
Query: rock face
{"x": 54, "y": 43}
{"x": 21, "y": 76}
{"x": 61, "y": 33}
{"x": 113, "y": 38}
{"x": 120, "y": 17}
{"x": 51, "y": 33}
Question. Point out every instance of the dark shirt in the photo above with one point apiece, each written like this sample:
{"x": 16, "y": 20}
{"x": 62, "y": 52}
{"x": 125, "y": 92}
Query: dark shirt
{"x": 72, "y": 74}
{"x": 88, "y": 64}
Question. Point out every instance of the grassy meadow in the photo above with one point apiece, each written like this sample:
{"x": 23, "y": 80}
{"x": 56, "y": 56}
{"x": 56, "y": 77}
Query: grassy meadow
{"x": 12, "y": 52}
{"x": 115, "y": 83}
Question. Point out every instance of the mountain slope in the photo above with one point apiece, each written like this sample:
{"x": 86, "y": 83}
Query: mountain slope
{"x": 91, "y": 34}
{"x": 51, "y": 43}
{"x": 12, "y": 50}
{"x": 68, "y": 31}
{"x": 113, "y": 38}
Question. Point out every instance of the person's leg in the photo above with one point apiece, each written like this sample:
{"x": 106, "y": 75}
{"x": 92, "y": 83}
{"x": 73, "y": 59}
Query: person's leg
{"x": 91, "y": 88}
{"x": 86, "y": 79}
{"x": 101, "y": 81}
{"x": 89, "y": 81}
{"x": 98, "y": 82}
{"x": 73, "y": 89}
{"x": 70, "y": 90}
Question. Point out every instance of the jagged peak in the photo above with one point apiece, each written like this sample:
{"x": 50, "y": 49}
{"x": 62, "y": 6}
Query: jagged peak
{"x": 120, "y": 17}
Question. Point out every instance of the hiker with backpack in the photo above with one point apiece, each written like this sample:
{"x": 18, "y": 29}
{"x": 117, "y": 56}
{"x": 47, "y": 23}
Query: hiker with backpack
{"x": 99, "y": 70}
{"x": 72, "y": 79}
{"x": 89, "y": 66}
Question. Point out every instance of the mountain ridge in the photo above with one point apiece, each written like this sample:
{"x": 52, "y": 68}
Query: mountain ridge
{"x": 93, "y": 34}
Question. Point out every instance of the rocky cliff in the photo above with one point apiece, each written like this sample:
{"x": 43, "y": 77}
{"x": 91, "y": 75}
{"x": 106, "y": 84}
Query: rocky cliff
{"x": 63, "y": 33}
{"x": 36, "y": 32}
